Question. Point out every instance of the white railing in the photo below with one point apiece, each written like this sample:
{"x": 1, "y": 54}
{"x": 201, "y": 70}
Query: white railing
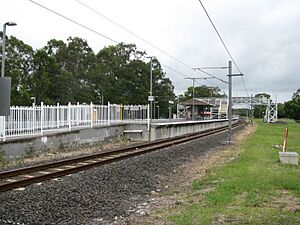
{"x": 26, "y": 121}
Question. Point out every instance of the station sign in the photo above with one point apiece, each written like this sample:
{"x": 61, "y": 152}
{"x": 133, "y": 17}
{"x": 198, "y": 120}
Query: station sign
{"x": 150, "y": 98}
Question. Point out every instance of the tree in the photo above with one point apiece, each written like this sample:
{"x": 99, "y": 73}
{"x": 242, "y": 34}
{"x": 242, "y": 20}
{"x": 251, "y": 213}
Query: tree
{"x": 71, "y": 72}
{"x": 43, "y": 77}
{"x": 292, "y": 107}
{"x": 60, "y": 89}
{"x": 281, "y": 111}
{"x": 19, "y": 66}
{"x": 76, "y": 62}
{"x": 202, "y": 91}
{"x": 163, "y": 89}
{"x": 122, "y": 76}
{"x": 260, "y": 109}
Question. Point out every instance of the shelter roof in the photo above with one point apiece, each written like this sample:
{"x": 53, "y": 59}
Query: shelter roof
{"x": 196, "y": 102}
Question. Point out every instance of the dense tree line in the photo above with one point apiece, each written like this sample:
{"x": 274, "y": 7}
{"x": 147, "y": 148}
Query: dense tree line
{"x": 292, "y": 107}
{"x": 72, "y": 72}
{"x": 201, "y": 91}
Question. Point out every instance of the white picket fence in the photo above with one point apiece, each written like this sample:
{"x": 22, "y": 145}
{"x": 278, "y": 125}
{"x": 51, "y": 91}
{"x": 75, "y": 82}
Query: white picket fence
{"x": 26, "y": 121}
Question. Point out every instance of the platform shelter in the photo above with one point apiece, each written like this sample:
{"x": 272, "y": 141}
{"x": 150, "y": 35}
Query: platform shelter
{"x": 202, "y": 109}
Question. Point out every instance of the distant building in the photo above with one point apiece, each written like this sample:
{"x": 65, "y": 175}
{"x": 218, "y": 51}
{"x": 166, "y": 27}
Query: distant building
{"x": 202, "y": 109}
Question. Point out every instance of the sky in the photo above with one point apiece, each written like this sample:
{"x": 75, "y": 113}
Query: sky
{"x": 262, "y": 36}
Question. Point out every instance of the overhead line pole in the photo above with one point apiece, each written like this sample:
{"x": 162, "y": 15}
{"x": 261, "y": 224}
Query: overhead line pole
{"x": 230, "y": 75}
{"x": 229, "y": 100}
{"x": 151, "y": 86}
{"x": 229, "y": 110}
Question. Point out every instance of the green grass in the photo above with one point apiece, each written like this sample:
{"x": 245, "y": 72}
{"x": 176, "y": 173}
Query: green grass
{"x": 253, "y": 189}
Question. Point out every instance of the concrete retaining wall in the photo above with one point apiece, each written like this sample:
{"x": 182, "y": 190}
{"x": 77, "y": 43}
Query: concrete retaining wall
{"x": 137, "y": 135}
{"x": 167, "y": 130}
{"x": 75, "y": 138}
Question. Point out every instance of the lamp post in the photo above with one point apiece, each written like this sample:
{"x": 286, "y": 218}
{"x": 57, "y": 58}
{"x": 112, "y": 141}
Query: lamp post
{"x": 33, "y": 100}
{"x": 150, "y": 98}
{"x": 3, "y": 45}
{"x": 5, "y": 85}
{"x": 170, "y": 109}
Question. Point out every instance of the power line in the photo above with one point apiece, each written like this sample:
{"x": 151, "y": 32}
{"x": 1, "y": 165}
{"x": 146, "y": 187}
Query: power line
{"x": 110, "y": 39}
{"x": 203, "y": 71}
{"x": 73, "y": 21}
{"x": 221, "y": 39}
{"x": 132, "y": 33}
{"x": 143, "y": 39}
{"x": 185, "y": 76}
{"x": 212, "y": 23}
{"x": 245, "y": 87}
{"x": 92, "y": 30}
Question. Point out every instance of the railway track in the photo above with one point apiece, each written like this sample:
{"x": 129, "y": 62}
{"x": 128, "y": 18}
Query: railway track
{"x": 25, "y": 176}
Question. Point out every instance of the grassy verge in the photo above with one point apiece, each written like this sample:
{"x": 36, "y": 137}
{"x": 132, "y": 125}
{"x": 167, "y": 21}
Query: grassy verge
{"x": 253, "y": 189}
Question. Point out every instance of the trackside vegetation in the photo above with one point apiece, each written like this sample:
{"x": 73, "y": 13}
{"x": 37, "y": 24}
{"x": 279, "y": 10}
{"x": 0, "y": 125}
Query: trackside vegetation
{"x": 254, "y": 188}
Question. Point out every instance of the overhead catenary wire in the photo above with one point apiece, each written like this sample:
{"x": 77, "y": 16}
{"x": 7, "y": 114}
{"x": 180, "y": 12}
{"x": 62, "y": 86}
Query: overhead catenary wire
{"x": 117, "y": 42}
{"x": 75, "y": 22}
{"x": 185, "y": 76}
{"x": 90, "y": 29}
{"x": 221, "y": 39}
{"x": 132, "y": 33}
{"x": 144, "y": 40}
{"x": 245, "y": 86}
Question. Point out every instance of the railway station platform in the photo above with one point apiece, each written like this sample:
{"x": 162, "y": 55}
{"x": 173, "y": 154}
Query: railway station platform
{"x": 137, "y": 132}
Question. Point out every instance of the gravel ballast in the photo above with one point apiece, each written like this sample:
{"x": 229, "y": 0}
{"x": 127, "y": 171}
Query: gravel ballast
{"x": 103, "y": 195}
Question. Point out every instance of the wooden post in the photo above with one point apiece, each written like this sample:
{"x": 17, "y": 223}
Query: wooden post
{"x": 285, "y": 142}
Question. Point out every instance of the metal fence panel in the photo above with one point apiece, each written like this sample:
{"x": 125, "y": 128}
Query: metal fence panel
{"x": 26, "y": 121}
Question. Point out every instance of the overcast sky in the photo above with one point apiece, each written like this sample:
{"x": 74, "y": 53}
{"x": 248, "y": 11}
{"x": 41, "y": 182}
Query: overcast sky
{"x": 262, "y": 36}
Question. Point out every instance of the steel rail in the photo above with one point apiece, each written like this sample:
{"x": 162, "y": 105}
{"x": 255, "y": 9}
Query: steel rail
{"x": 90, "y": 161}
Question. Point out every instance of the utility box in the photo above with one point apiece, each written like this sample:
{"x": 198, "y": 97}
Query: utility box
{"x": 5, "y": 87}
{"x": 289, "y": 158}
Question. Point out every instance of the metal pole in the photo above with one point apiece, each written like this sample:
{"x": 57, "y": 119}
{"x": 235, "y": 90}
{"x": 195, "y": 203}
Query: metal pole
{"x": 151, "y": 88}
{"x": 252, "y": 111}
{"x": 3, "y": 50}
{"x": 193, "y": 108}
{"x": 154, "y": 115}
{"x": 177, "y": 110}
{"x": 108, "y": 113}
{"x": 149, "y": 122}
{"x": 2, "y": 118}
{"x": 170, "y": 112}
{"x": 230, "y": 100}
{"x": 157, "y": 112}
